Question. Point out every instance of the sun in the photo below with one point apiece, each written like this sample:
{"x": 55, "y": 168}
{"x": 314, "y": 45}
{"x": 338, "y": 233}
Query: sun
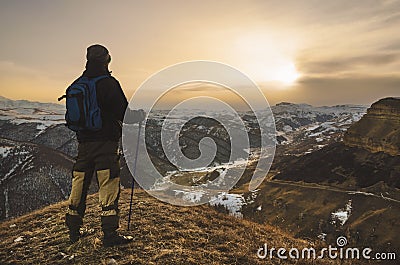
{"x": 281, "y": 72}
{"x": 286, "y": 74}
{"x": 268, "y": 57}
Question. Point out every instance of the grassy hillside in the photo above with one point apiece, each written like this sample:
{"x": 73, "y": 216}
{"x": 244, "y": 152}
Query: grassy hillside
{"x": 163, "y": 234}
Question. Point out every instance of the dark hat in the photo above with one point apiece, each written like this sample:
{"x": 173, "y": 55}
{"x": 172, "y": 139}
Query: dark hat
{"x": 98, "y": 53}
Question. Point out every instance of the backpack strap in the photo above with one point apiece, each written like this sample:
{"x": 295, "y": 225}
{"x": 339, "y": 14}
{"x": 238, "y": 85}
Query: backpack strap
{"x": 95, "y": 79}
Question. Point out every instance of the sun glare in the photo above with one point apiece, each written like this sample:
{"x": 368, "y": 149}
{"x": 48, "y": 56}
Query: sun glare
{"x": 267, "y": 57}
{"x": 286, "y": 74}
{"x": 283, "y": 73}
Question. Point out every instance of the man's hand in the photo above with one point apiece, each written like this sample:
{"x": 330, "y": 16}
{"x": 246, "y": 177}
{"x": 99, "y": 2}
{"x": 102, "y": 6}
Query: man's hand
{"x": 134, "y": 116}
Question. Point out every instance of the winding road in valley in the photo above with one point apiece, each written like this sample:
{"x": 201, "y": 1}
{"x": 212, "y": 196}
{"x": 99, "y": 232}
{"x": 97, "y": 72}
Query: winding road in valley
{"x": 329, "y": 188}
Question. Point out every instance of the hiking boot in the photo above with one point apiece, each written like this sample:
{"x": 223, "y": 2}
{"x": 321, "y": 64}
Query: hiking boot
{"x": 74, "y": 236}
{"x": 74, "y": 223}
{"x": 109, "y": 225}
{"x": 116, "y": 240}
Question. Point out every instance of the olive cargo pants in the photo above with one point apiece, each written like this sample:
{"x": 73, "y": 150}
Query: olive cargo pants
{"x": 101, "y": 158}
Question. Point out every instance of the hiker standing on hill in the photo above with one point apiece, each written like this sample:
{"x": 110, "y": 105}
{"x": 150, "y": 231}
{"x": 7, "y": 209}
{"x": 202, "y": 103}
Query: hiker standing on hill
{"x": 98, "y": 149}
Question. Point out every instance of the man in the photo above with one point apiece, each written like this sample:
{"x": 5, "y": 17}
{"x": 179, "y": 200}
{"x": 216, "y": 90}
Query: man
{"x": 98, "y": 152}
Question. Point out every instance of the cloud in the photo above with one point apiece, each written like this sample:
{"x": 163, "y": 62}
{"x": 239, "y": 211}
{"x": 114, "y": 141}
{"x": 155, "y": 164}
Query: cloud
{"x": 351, "y": 89}
{"x": 392, "y": 46}
{"x": 199, "y": 87}
{"x": 348, "y": 63}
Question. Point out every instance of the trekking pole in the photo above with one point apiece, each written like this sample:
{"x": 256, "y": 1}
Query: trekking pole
{"x": 134, "y": 174}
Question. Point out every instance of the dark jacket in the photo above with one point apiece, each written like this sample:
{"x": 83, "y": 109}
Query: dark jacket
{"x": 112, "y": 103}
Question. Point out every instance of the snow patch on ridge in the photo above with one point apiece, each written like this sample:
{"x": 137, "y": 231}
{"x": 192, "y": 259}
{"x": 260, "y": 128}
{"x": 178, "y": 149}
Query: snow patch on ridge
{"x": 232, "y": 202}
{"x": 5, "y": 150}
{"x": 342, "y": 215}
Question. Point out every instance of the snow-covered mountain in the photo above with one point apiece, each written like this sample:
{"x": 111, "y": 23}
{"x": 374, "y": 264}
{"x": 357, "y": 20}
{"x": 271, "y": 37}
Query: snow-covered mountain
{"x": 289, "y": 116}
{"x": 302, "y": 128}
{"x": 24, "y": 120}
{"x": 23, "y": 111}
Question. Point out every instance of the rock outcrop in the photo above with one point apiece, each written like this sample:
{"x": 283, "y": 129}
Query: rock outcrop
{"x": 379, "y": 129}
{"x": 369, "y": 153}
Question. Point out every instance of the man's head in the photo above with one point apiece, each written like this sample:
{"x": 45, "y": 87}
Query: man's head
{"x": 98, "y": 53}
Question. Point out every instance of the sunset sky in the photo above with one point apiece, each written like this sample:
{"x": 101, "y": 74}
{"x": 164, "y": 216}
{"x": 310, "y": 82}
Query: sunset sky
{"x": 316, "y": 52}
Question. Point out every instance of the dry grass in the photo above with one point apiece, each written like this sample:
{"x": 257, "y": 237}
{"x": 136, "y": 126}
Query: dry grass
{"x": 163, "y": 234}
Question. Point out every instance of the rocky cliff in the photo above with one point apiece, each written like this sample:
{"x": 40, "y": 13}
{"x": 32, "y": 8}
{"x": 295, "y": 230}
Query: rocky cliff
{"x": 379, "y": 129}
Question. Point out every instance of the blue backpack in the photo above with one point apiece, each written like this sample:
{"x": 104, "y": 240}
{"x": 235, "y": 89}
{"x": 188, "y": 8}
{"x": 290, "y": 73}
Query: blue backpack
{"x": 83, "y": 112}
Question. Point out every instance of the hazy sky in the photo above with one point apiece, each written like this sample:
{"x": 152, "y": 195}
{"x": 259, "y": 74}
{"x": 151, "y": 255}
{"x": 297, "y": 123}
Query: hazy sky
{"x": 317, "y": 52}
